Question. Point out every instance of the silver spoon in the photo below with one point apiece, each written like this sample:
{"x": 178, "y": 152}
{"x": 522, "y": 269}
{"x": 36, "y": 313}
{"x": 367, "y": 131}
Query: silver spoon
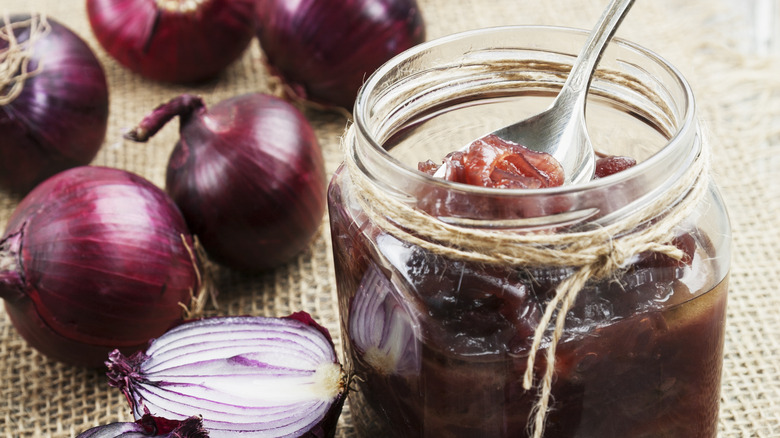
{"x": 560, "y": 130}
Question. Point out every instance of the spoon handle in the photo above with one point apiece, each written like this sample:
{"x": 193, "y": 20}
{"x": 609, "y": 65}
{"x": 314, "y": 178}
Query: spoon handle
{"x": 581, "y": 74}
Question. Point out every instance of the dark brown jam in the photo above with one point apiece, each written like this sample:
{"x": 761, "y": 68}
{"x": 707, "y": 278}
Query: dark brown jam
{"x": 440, "y": 346}
{"x": 454, "y": 291}
{"x": 494, "y": 162}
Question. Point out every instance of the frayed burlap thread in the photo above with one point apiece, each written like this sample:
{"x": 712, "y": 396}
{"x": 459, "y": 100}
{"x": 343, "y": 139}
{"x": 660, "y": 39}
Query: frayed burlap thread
{"x": 594, "y": 254}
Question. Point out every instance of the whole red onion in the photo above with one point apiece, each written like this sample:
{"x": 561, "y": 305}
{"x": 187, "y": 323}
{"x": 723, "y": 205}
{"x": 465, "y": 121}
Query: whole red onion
{"x": 53, "y": 101}
{"x": 248, "y": 174}
{"x": 173, "y": 40}
{"x": 325, "y": 49}
{"x": 95, "y": 259}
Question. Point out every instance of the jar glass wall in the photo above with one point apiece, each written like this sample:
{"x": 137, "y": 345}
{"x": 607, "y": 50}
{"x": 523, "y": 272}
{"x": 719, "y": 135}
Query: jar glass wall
{"x": 446, "y": 290}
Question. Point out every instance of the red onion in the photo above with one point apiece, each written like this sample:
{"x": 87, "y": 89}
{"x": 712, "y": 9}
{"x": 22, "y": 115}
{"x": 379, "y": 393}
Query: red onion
{"x": 95, "y": 259}
{"x": 324, "y": 49}
{"x": 248, "y": 175}
{"x": 381, "y": 327}
{"x": 173, "y": 40}
{"x": 254, "y": 376}
{"x": 149, "y": 425}
{"x": 53, "y": 101}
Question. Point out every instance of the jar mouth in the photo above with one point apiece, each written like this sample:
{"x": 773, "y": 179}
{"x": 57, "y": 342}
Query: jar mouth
{"x": 685, "y": 128}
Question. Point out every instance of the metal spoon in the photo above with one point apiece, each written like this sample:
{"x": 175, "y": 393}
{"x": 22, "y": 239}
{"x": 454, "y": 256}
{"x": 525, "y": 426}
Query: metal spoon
{"x": 560, "y": 130}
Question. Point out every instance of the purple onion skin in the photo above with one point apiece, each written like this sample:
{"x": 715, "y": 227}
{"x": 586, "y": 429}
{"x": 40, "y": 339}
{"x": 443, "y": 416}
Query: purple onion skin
{"x": 60, "y": 118}
{"x": 248, "y": 174}
{"x": 325, "y": 49}
{"x": 95, "y": 259}
{"x": 147, "y": 426}
{"x": 181, "y": 46}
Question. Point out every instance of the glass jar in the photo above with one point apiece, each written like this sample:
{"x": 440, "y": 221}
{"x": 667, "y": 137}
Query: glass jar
{"x": 588, "y": 310}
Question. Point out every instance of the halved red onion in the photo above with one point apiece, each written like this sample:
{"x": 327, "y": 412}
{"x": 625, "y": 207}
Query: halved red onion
{"x": 147, "y": 426}
{"x": 254, "y": 376}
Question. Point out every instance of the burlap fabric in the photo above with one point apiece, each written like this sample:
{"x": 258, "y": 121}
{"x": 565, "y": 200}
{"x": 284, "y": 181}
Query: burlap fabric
{"x": 739, "y": 97}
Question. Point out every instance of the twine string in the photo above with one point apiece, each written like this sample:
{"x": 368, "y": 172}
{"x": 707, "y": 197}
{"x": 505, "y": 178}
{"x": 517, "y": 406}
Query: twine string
{"x": 595, "y": 253}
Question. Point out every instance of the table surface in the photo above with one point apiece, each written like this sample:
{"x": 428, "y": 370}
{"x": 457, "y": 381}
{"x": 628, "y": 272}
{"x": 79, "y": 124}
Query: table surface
{"x": 738, "y": 93}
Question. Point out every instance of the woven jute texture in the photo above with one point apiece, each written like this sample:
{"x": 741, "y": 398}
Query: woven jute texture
{"x": 739, "y": 98}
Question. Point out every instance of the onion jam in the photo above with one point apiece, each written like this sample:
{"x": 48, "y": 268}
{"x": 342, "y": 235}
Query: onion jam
{"x": 488, "y": 298}
{"x": 641, "y": 356}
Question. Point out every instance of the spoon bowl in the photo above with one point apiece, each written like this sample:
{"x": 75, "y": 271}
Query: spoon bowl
{"x": 560, "y": 130}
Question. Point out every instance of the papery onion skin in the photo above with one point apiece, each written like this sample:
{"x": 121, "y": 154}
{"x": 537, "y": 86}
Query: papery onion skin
{"x": 147, "y": 426}
{"x": 60, "y": 117}
{"x": 248, "y": 174}
{"x": 221, "y": 369}
{"x": 173, "y": 40}
{"x": 94, "y": 259}
{"x": 324, "y": 50}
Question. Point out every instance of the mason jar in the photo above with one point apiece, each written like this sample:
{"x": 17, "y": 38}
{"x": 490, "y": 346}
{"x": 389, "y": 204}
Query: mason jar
{"x": 585, "y": 310}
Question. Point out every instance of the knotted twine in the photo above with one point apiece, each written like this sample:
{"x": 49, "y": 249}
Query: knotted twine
{"x": 15, "y": 59}
{"x": 593, "y": 254}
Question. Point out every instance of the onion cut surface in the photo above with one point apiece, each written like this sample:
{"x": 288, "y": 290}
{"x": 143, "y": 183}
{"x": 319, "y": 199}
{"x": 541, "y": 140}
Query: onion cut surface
{"x": 381, "y": 328}
{"x": 259, "y": 376}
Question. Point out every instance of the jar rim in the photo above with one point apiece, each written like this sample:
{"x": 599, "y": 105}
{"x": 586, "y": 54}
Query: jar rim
{"x": 686, "y": 128}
